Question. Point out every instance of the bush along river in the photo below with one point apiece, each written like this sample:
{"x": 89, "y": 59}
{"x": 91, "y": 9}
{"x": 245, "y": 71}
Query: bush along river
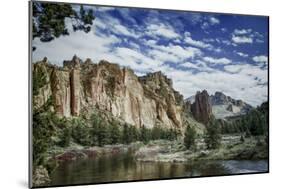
{"x": 155, "y": 160}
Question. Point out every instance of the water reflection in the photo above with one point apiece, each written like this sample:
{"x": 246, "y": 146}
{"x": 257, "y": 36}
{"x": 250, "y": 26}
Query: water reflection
{"x": 123, "y": 167}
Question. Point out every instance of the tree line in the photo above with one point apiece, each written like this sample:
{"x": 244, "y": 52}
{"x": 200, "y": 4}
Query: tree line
{"x": 253, "y": 123}
{"x": 100, "y": 133}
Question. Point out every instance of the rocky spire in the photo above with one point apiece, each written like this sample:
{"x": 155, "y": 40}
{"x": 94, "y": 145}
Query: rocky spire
{"x": 201, "y": 108}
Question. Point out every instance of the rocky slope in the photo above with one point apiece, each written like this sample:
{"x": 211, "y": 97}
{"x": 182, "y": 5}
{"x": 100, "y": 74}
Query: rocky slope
{"x": 79, "y": 87}
{"x": 224, "y": 106}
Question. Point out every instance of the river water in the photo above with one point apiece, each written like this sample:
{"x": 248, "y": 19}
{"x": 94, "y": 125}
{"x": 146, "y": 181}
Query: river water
{"x": 123, "y": 167}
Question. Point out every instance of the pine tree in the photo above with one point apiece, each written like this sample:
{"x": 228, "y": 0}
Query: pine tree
{"x": 212, "y": 136}
{"x": 133, "y": 134}
{"x": 189, "y": 137}
{"x": 103, "y": 135}
{"x": 66, "y": 137}
{"x": 95, "y": 129}
{"x": 115, "y": 133}
{"x": 126, "y": 137}
{"x": 156, "y": 133}
{"x": 144, "y": 134}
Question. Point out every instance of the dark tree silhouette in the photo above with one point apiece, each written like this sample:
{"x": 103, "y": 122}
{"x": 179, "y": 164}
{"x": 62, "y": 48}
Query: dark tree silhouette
{"x": 49, "y": 20}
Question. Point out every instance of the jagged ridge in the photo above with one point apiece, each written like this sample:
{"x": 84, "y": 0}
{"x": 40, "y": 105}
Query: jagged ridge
{"x": 78, "y": 87}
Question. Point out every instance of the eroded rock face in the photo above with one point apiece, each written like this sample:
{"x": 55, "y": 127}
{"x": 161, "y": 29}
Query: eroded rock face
{"x": 224, "y": 106}
{"x": 79, "y": 87}
{"x": 201, "y": 108}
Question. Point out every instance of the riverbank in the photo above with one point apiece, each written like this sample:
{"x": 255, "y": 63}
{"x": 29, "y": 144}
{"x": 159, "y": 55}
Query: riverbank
{"x": 232, "y": 148}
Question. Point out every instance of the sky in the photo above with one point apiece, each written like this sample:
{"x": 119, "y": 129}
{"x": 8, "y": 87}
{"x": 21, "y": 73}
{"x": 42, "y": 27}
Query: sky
{"x": 216, "y": 52}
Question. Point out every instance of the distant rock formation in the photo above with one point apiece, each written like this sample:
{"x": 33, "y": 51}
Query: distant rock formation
{"x": 224, "y": 106}
{"x": 201, "y": 107}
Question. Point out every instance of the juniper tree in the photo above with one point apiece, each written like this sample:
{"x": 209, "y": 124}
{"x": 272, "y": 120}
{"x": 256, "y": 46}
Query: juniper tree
{"x": 189, "y": 137}
{"x": 212, "y": 136}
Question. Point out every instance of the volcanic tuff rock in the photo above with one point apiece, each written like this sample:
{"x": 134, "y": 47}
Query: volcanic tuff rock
{"x": 201, "y": 108}
{"x": 224, "y": 106}
{"x": 79, "y": 87}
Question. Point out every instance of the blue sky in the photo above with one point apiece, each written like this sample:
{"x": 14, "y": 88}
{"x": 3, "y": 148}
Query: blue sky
{"x": 216, "y": 52}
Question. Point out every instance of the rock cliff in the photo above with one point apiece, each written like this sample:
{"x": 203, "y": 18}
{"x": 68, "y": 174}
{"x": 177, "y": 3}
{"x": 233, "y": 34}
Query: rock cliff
{"x": 201, "y": 107}
{"x": 79, "y": 87}
{"x": 224, "y": 106}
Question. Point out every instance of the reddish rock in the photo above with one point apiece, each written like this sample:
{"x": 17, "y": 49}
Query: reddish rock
{"x": 201, "y": 108}
{"x": 75, "y": 92}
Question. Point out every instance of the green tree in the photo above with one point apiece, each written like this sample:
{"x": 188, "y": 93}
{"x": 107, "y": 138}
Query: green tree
{"x": 95, "y": 119}
{"x": 125, "y": 137}
{"x": 43, "y": 129}
{"x": 133, "y": 134}
{"x": 81, "y": 132}
{"x": 103, "y": 135}
{"x": 145, "y": 134}
{"x": 115, "y": 133}
{"x": 189, "y": 137}
{"x": 156, "y": 133}
{"x": 49, "y": 20}
{"x": 212, "y": 136}
{"x": 65, "y": 137}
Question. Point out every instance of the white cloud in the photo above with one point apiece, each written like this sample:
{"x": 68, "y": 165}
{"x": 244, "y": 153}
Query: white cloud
{"x": 241, "y": 39}
{"x": 172, "y": 52}
{"x": 223, "y": 30}
{"x": 84, "y": 45}
{"x": 246, "y": 36}
{"x": 226, "y": 42}
{"x": 161, "y": 30}
{"x": 190, "y": 65}
{"x": 217, "y": 60}
{"x": 214, "y": 21}
{"x": 244, "y": 84}
{"x": 150, "y": 56}
{"x": 261, "y": 59}
{"x": 259, "y": 41}
{"x": 196, "y": 43}
{"x": 242, "y": 31}
{"x": 242, "y": 54}
{"x": 120, "y": 29}
{"x": 114, "y": 25}
{"x": 105, "y": 9}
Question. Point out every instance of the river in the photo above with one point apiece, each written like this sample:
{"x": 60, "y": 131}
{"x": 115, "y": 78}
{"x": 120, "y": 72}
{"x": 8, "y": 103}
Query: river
{"x": 123, "y": 167}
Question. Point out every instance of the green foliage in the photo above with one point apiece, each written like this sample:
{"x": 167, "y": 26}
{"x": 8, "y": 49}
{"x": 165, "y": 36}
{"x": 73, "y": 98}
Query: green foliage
{"x": 254, "y": 123}
{"x": 156, "y": 133}
{"x": 189, "y": 137}
{"x": 49, "y": 20}
{"x": 145, "y": 134}
{"x": 212, "y": 136}
{"x": 94, "y": 132}
{"x": 134, "y": 134}
{"x": 126, "y": 137}
{"x": 103, "y": 135}
{"x": 39, "y": 80}
{"x": 81, "y": 132}
{"x": 115, "y": 133}
{"x": 65, "y": 137}
{"x": 43, "y": 129}
{"x": 242, "y": 139}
